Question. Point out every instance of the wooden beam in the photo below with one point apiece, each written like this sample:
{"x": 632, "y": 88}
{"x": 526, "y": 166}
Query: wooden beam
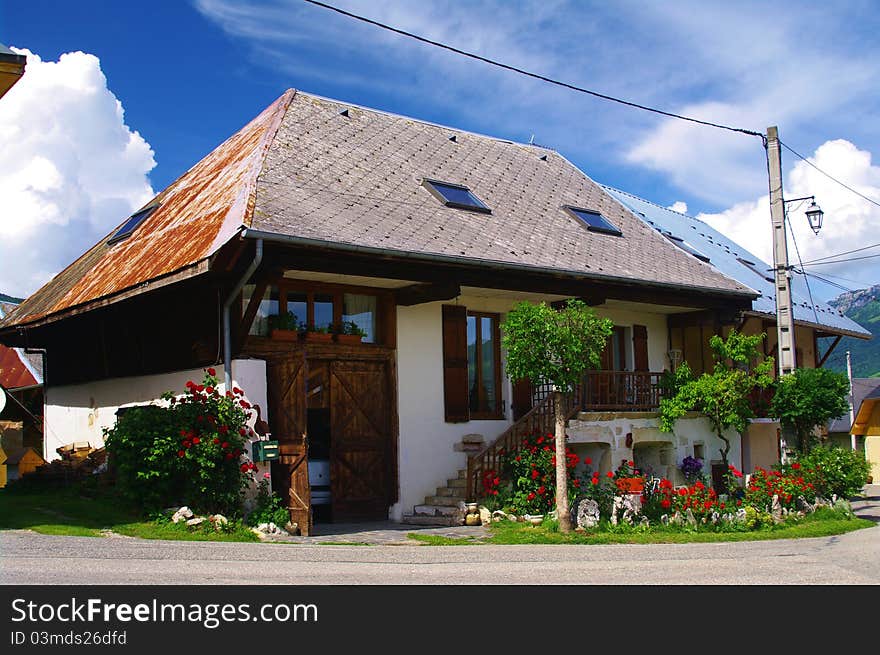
{"x": 251, "y": 312}
{"x": 417, "y": 294}
{"x": 827, "y": 352}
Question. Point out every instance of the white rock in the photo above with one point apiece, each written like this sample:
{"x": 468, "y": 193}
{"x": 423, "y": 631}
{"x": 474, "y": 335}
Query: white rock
{"x": 197, "y": 520}
{"x": 182, "y": 514}
{"x": 485, "y": 515}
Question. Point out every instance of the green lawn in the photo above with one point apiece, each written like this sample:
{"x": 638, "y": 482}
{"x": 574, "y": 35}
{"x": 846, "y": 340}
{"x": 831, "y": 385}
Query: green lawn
{"x": 507, "y": 532}
{"x": 68, "y": 512}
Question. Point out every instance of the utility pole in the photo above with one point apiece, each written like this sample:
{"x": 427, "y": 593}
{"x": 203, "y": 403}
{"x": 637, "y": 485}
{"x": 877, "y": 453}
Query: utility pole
{"x": 852, "y": 401}
{"x": 784, "y": 310}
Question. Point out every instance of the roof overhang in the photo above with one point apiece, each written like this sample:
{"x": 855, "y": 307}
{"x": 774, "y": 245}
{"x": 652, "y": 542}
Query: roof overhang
{"x": 862, "y": 420}
{"x": 11, "y": 69}
{"x": 821, "y": 330}
{"x": 698, "y": 295}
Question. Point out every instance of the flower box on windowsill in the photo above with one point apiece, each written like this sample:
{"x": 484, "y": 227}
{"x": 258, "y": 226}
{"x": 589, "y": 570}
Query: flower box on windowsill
{"x": 284, "y": 335}
{"x": 348, "y": 339}
{"x": 318, "y": 337}
{"x": 631, "y": 485}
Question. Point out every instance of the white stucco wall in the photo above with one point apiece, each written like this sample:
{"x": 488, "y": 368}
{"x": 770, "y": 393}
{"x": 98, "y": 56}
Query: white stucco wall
{"x": 603, "y": 437}
{"x": 427, "y": 457}
{"x": 81, "y": 412}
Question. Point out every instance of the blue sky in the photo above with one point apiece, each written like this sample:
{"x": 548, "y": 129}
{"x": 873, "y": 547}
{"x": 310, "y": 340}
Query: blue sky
{"x": 190, "y": 74}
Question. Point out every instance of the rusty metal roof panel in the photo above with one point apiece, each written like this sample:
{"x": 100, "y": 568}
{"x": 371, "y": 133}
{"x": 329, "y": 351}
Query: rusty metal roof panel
{"x": 197, "y": 214}
{"x": 14, "y": 373}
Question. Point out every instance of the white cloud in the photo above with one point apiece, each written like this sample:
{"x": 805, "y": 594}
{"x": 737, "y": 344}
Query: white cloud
{"x": 679, "y": 206}
{"x": 850, "y": 222}
{"x": 70, "y": 168}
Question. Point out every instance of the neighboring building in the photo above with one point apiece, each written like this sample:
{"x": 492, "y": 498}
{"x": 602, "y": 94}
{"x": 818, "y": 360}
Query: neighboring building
{"x": 14, "y": 464}
{"x": 11, "y": 68}
{"x": 423, "y": 235}
{"x": 839, "y": 429}
{"x": 689, "y": 334}
{"x": 21, "y": 380}
{"x": 866, "y": 427}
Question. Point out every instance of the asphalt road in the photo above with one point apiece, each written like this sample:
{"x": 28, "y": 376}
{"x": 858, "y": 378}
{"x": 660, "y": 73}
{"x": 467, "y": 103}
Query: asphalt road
{"x": 29, "y": 558}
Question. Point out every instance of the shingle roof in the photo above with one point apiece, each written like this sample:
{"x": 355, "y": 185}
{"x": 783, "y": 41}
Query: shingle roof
{"x": 355, "y": 180}
{"x": 725, "y": 255}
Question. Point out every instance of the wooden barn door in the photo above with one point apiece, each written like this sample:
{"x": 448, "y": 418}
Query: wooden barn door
{"x": 361, "y": 440}
{"x": 287, "y": 417}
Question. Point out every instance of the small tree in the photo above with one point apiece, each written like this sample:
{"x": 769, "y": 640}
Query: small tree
{"x": 557, "y": 347}
{"x": 808, "y": 398}
{"x": 722, "y": 396}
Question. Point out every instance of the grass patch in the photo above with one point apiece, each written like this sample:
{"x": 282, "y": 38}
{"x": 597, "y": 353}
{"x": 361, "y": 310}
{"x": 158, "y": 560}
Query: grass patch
{"x": 508, "y": 533}
{"x": 73, "y": 512}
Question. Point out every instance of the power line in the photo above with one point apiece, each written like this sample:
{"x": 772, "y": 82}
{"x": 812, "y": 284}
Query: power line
{"x": 806, "y": 280}
{"x": 826, "y": 281}
{"x": 828, "y": 175}
{"x": 840, "y": 254}
{"x": 536, "y": 76}
{"x": 843, "y": 261}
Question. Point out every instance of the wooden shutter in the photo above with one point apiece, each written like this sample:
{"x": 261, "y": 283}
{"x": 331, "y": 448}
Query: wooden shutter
{"x": 455, "y": 364}
{"x": 640, "y": 347}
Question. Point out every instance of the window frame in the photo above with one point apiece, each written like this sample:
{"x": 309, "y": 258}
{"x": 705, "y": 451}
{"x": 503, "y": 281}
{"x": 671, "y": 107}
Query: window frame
{"x": 498, "y": 413}
{"x": 141, "y": 215}
{"x": 572, "y": 211}
{"x": 430, "y": 183}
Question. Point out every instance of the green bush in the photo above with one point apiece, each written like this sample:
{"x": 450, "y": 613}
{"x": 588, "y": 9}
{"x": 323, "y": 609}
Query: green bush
{"x": 269, "y": 507}
{"x": 184, "y": 451}
{"x": 836, "y": 470}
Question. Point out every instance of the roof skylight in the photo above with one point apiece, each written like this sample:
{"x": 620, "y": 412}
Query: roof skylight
{"x": 455, "y": 195}
{"x": 593, "y": 221}
{"x": 131, "y": 224}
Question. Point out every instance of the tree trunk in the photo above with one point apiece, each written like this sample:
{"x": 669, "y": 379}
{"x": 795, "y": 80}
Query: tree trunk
{"x": 563, "y": 514}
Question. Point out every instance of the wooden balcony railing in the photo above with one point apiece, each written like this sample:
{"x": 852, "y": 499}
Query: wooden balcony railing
{"x": 599, "y": 391}
{"x": 633, "y": 391}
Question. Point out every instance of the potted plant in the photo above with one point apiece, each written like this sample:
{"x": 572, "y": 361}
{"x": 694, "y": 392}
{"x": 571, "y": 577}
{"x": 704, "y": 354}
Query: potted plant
{"x": 349, "y": 332}
{"x": 283, "y": 327}
{"x": 316, "y": 334}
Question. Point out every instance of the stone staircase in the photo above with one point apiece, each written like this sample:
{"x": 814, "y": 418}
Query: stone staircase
{"x": 443, "y": 507}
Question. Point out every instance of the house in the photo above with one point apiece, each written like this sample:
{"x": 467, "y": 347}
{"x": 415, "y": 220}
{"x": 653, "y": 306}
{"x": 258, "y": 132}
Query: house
{"x": 420, "y": 234}
{"x": 867, "y": 426}
{"x": 689, "y": 334}
{"x": 21, "y": 382}
{"x": 11, "y": 68}
{"x": 839, "y": 429}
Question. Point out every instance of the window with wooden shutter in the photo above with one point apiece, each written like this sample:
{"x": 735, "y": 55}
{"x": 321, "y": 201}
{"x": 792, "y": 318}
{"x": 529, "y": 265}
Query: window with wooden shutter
{"x": 455, "y": 364}
{"x": 640, "y": 347}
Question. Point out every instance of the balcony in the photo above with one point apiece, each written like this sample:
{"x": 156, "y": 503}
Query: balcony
{"x": 630, "y": 391}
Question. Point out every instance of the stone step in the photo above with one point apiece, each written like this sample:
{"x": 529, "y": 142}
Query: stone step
{"x": 421, "y": 519}
{"x": 444, "y": 500}
{"x": 456, "y": 483}
{"x": 431, "y": 509}
{"x": 449, "y": 491}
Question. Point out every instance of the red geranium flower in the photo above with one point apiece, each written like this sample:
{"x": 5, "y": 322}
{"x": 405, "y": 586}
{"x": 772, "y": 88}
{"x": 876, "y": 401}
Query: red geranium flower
{"x": 595, "y": 481}
{"x": 610, "y": 474}
{"x": 216, "y": 440}
{"x": 542, "y": 490}
{"x": 588, "y": 460}
{"x": 180, "y": 453}
{"x": 224, "y": 445}
{"x": 535, "y": 474}
{"x": 228, "y": 455}
{"x": 665, "y": 503}
{"x": 531, "y": 495}
{"x": 212, "y": 372}
{"x": 196, "y": 440}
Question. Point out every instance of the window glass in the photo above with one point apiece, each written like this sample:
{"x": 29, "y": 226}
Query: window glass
{"x": 268, "y": 307}
{"x": 473, "y": 387}
{"x": 594, "y": 221}
{"x": 455, "y": 195}
{"x": 360, "y": 310}
{"x": 298, "y": 304}
{"x": 487, "y": 361}
{"x": 323, "y": 310}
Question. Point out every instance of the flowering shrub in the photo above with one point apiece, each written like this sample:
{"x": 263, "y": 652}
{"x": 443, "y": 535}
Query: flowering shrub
{"x": 691, "y": 468}
{"x": 601, "y": 488}
{"x": 186, "y": 452}
{"x": 701, "y": 500}
{"x": 527, "y": 482}
{"x": 836, "y": 470}
{"x": 788, "y": 482}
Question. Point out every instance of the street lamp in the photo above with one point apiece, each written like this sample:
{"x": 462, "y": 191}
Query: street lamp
{"x": 814, "y": 212}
